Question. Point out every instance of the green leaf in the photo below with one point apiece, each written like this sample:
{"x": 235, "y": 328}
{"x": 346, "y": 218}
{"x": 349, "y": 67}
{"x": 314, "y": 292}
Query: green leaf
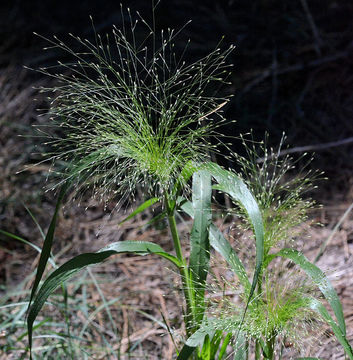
{"x": 35, "y": 221}
{"x": 199, "y": 239}
{"x": 220, "y": 244}
{"x": 73, "y": 266}
{"x": 185, "y": 174}
{"x": 206, "y": 349}
{"x": 140, "y": 209}
{"x": 197, "y": 339}
{"x": 223, "y": 349}
{"x": 231, "y": 184}
{"x": 215, "y": 342}
{"x": 186, "y": 352}
{"x": 48, "y": 242}
{"x": 155, "y": 219}
{"x": 319, "y": 279}
{"x": 340, "y": 335}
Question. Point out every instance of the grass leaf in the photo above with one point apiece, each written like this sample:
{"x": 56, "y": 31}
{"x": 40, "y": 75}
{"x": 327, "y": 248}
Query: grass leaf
{"x": 186, "y": 352}
{"x": 231, "y": 184}
{"x": 48, "y": 242}
{"x": 141, "y": 208}
{"x": 24, "y": 241}
{"x": 340, "y": 335}
{"x": 73, "y": 266}
{"x": 220, "y": 244}
{"x": 199, "y": 238}
{"x": 241, "y": 348}
{"x": 223, "y": 349}
{"x": 319, "y": 279}
{"x": 207, "y": 329}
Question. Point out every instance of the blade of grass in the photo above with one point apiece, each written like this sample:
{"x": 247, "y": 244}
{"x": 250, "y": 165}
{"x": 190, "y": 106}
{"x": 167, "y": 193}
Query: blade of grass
{"x": 47, "y": 245}
{"x": 231, "y": 184}
{"x": 24, "y": 241}
{"x": 340, "y": 335}
{"x": 223, "y": 349}
{"x": 221, "y": 245}
{"x": 241, "y": 348}
{"x": 319, "y": 279}
{"x": 71, "y": 267}
{"x": 35, "y": 221}
{"x": 140, "y": 209}
{"x": 199, "y": 239}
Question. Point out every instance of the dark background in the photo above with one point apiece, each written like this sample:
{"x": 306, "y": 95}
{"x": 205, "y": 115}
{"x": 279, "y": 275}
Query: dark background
{"x": 292, "y": 73}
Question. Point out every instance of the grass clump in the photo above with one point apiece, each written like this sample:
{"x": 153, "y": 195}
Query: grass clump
{"x": 145, "y": 120}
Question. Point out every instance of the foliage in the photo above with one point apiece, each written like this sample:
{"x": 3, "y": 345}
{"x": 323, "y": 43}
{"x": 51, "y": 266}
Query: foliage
{"x": 146, "y": 120}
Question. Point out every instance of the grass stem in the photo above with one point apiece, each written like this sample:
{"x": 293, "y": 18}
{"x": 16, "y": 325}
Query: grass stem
{"x": 183, "y": 270}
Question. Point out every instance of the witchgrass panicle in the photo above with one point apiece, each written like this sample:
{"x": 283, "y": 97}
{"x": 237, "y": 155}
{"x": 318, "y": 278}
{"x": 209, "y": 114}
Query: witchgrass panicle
{"x": 281, "y": 310}
{"x": 124, "y": 114}
{"x": 280, "y": 195}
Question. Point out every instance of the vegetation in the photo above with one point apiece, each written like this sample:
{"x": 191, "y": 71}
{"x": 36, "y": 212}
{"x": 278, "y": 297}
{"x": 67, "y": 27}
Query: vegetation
{"x": 145, "y": 120}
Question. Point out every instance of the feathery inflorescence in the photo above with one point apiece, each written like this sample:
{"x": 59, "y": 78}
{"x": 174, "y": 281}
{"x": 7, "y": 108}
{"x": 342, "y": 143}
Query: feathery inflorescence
{"x": 126, "y": 112}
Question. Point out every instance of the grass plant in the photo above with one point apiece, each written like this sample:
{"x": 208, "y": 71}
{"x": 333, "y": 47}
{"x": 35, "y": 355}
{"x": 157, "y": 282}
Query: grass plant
{"x": 129, "y": 113}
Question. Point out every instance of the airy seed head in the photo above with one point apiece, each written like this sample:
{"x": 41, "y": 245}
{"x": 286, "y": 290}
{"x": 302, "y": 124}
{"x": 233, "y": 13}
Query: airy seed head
{"x": 125, "y": 115}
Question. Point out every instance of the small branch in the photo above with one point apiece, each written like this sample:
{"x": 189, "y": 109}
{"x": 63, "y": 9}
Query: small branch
{"x": 297, "y": 67}
{"x": 316, "y": 147}
{"x": 313, "y": 26}
{"x": 328, "y": 240}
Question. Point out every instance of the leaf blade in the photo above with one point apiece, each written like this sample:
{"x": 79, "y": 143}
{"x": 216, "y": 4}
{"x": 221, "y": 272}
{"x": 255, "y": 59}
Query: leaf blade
{"x": 341, "y": 337}
{"x": 199, "y": 238}
{"x": 221, "y": 245}
{"x": 73, "y": 266}
{"x": 231, "y": 184}
{"x": 48, "y": 242}
{"x": 320, "y": 279}
{"x": 140, "y": 209}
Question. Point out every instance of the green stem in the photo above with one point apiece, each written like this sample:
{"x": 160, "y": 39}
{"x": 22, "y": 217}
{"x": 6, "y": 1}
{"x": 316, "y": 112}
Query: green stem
{"x": 175, "y": 236}
{"x": 257, "y": 350}
{"x": 183, "y": 270}
{"x": 271, "y": 347}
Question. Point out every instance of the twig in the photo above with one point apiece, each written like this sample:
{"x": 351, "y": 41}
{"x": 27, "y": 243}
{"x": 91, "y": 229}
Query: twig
{"x": 313, "y": 26}
{"x": 296, "y": 67}
{"x": 328, "y": 240}
{"x": 316, "y": 147}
